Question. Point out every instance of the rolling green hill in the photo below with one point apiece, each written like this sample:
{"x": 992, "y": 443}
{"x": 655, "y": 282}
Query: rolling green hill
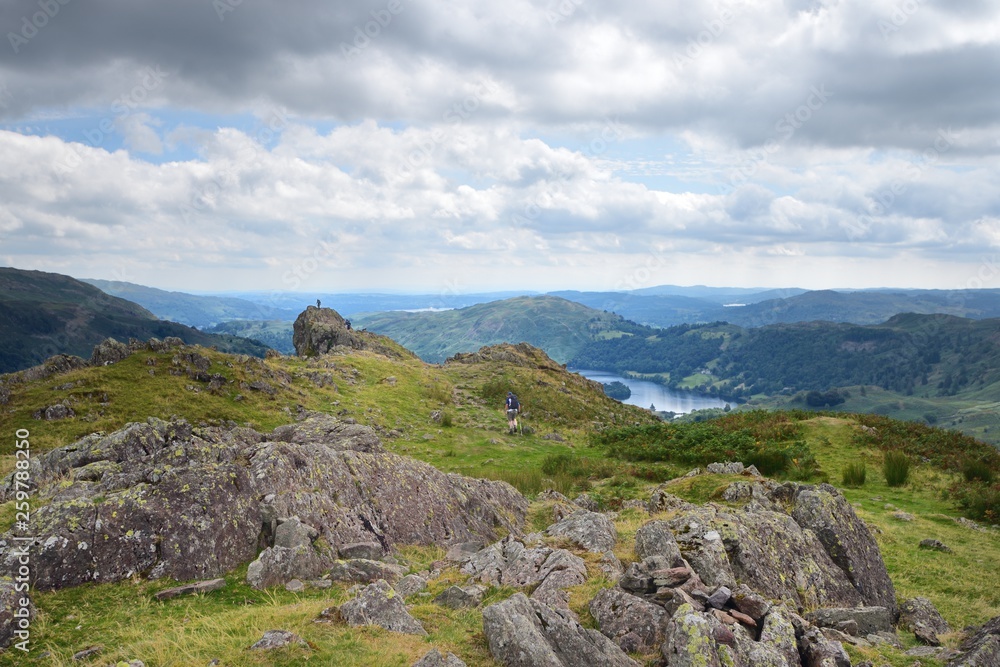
{"x": 191, "y": 309}
{"x": 276, "y": 334}
{"x": 558, "y": 326}
{"x": 44, "y": 314}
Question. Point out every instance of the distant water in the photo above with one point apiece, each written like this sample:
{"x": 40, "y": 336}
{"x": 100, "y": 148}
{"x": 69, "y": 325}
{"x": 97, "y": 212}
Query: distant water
{"x": 645, "y": 393}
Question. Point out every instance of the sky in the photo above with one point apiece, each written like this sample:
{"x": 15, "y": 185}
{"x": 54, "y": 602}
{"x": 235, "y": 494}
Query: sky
{"x": 451, "y": 147}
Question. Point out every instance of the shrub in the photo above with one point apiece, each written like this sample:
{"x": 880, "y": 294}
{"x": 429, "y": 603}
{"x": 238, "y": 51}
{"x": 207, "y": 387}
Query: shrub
{"x": 854, "y": 474}
{"x": 896, "y": 467}
{"x": 446, "y": 419}
{"x": 979, "y": 501}
{"x": 974, "y": 470}
{"x": 553, "y": 464}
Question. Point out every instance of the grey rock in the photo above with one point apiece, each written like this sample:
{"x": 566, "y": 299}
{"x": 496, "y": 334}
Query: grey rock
{"x": 433, "y": 658}
{"x": 323, "y": 429}
{"x": 750, "y": 603}
{"x": 818, "y": 651}
{"x": 620, "y": 615}
{"x": 274, "y": 639}
{"x": 109, "y": 351}
{"x": 587, "y": 502}
{"x": 869, "y": 619}
{"x": 365, "y": 550}
{"x": 847, "y": 540}
{"x": 362, "y": 570}
{"x": 459, "y": 597}
{"x": 934, "y": 545}
{"x": 982, "y": 649}
{"x": 656, "y": 539}
{"x": 662, "y": 500}
{"x": 379, "y": 605}
{"x": 593, "y": 531}
{"x": 720, "y": 597}
{"x": 55, "y": 412}
{"x": 276, "y": 566}
{"x": 189, "y": 589}
{"x": 410, "y": 584}
{"x": 16, "y": 613}
{"x": 293, "y": 533}
{"x": 730, "y": 468}
{"x": 522, "y": 632}
{"x": 510, "y": 563}
{"x": 611, "y": 566}
{"x": 88, "y": 652}
{"x": 921, "y": 617}
{"x": 295, "y": 586}
{"x": 692, "y": 640}
{"x": 174, "y": 501}
{"x": 319, "y": 331}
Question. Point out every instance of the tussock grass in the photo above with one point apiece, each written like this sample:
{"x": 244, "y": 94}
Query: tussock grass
{"x": 854, "y": 474}
{"x": 896, "y": 468}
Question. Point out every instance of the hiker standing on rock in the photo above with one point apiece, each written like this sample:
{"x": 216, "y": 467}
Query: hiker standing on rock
{"x": 513, "y": 407}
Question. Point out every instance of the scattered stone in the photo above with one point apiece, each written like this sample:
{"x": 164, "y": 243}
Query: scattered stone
{"x": 522, "y": 632}
{"x": 818, "y": 651}
{"x": 935, "y": 545}
{"x": 109, "y": 351}
{"x": 662, "y": 501}
{"x": 731, "y": 468}
{"x": 461, "y": 597}
{"x": 903, "y": 516}
{"x": 982, "y": 649}
{"x": 610, "y": 566}
{"x": 671, "y": 577}
{"x": 54, "y": 412}
{"x": 593, "y": 531}
{"x": 197, "y": 587}
{"x": 463, "y": 551}
{"x": 750, "y": 603}
{"x": 433, "y": 658}
{"x": 587, "y": 502}
{"x": 971, "y": 525}
{"x": 295, "y": 586}
{"x": 510, "y": 563}
{"x": 742, "y": 618}
{"x": 921, "y": 617}
{"x": 88, "y": 652}
{"x": 554, "y": 437}
{"x": 378, "y": 604}
{"x": 720, "y": 597}
{"x": 274, "y": 639}
{"x": 630, "y": 621}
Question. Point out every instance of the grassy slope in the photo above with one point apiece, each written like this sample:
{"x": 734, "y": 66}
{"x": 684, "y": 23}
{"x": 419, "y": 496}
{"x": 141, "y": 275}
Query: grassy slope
{"x": 124, "y": 618}
{"x": 555, "y": 324}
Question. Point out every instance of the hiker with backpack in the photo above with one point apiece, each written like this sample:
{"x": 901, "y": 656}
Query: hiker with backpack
{"x": 513, "y": 407}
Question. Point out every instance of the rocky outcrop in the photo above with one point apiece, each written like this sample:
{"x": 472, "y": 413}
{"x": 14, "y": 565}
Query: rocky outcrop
{"x": 434, "y": 658}
{"x": 522, "y": 632}
{"x": 163, "y": 499}
{"x": 510, "y": 563}
{"x": 379, "y": 605}
{"x": 109, "y": 351}
{"x": 521, "y": 354}
{"x": 319, "y": 331}
{"x": 982, "y": 648}
{"x": 277, "y": 566}
{"x": 637, "y": 626}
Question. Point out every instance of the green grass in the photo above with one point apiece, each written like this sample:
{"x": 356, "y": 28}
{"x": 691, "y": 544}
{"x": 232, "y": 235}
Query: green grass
{"x": 896, "y": 468}
{"x": 854, "y": 474}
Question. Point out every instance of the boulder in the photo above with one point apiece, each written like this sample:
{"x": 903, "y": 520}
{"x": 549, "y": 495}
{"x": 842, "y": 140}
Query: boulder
{"x": 319, "y": 331}
{"x": 433, "y": 658}
{"x": 522, "y": 632}
{"x": 593, "y": 531}
{"x": 109, "y": 351}
{"x": 459, "y": 597}
{"x": 168, "y": 500}
{"x": 378, "y": 604}
{"x": 868, "y": 620}
{"x": 692, "y": 641}
{"x": 847, "y": 540}
{"x": 323, "y": 429}
{"x": 982, "y": 648}
{"x": 366, "y": 550}
{"x": 191, "y": 589}
{"x": 463, "y": 551}
{"x": 656, "y": 539}
{"x": 410, "y": 584}
{"x": 818, "y": 651}
{"x": 361, "y": 570}
{"x": 921, "y": 617}
{"x": 631, "y": 622}
{"x": 292, "y": 533}
{"x": 276, "y": 566}
{"x": 728, "y": 468}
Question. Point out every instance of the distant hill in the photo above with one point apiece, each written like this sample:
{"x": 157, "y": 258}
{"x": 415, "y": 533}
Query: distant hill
{"x": 928, "y": 355}
{"x": 276, "y": 334}
{"x": 558, "y": 326}
{"x": 196, "y": 311}
{"x": 43, "y": 314}
{"x": 864, "y": 307}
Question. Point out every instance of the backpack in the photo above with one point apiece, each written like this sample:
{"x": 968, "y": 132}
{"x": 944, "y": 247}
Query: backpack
{"x": 512, "y": 403}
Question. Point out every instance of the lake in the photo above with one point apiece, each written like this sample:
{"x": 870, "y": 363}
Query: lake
{"x": 645, "y": 393}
